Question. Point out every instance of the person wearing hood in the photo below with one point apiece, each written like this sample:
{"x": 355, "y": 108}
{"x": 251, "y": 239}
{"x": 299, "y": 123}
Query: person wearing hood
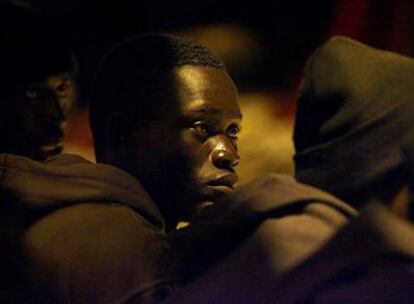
{"x": 37, "y": 91}
{"x": 165, "y": 119}
{"x": 354, "y": 113}
{"x": 354, "y": 138}
{"x": 94, "y": 234}
{"x": 165, "y": 110}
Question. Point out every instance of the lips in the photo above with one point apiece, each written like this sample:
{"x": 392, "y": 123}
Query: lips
{"x": 220, "y": 186}
{"x": 53, "y": 141}
{"x": 225, "y": 180}
{"x": 53, "y": 148}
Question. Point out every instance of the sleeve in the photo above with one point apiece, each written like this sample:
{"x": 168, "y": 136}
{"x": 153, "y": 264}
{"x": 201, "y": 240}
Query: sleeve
{"x": 222, "y": 227}
{"x": 100, "y": 253}
{"x": 250, "y": 272}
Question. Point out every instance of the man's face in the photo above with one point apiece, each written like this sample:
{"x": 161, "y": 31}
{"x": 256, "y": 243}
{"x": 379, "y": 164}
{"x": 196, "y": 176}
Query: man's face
{"x": 211, "y": 117}
{"x": 187, "y": 154}
{"x": 35, "y": 117}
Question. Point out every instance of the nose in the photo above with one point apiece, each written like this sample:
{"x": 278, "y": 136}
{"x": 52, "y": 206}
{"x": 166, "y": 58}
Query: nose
{"x": 52, "y": 117}
{"x": 54, "y": 108}
{"x": 224, "y": 155}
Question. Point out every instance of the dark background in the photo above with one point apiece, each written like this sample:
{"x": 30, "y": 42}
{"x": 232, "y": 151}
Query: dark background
{"x": 264, "y": 44}
{"x": 287, "y": 31}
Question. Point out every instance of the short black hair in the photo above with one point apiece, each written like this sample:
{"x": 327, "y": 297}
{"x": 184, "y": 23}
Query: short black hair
{"x": 135, "y": 75}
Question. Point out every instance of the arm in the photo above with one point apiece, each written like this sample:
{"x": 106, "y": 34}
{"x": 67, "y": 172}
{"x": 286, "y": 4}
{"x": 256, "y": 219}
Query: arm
{"x": 242, "y": 246}
{"x": 250, "y": 272}
{"x": 226, "y": 225}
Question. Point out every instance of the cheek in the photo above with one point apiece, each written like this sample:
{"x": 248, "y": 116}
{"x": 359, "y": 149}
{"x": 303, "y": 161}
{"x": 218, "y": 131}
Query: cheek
{"x": 197, "y": 151}
{"x": 28, "y": 131}
{"x": 66, "y": 103}
{"x": 27, "y": 118}
{"x": 18, "y": 125}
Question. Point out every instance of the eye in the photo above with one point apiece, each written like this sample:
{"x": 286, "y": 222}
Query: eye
{"x": 233, "y": 131}
{"x": 203, "y": 128}
{"x": 32, "y": 92}
{"x": 61, "y": 89}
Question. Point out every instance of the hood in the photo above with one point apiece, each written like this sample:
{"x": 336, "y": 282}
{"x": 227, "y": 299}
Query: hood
{"x": 355, "y": 108}
{"x": 66, "y": 179}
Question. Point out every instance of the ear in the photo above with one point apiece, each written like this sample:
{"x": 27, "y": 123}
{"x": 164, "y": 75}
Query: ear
{"x": 119, "y": 129}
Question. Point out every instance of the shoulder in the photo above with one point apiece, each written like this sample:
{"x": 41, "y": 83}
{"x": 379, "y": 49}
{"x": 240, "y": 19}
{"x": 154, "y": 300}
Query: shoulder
{"x": 286, "y": 222}
{"x": 95, "y": 223}
{"x": 99, "y": 252}
{"x": 277, "y": 195}
{"x": 288, "y": 240}
{"x": 251, "y": 271}
{"x": 370, "y": 253}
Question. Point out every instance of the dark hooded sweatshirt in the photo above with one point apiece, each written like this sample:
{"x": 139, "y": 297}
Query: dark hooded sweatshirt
{"x": 94, "y": 236}
{"x": 91, "y": 233}
{"x": 354, "y": 114}
{"x": 371, "y": 260}
{"x": 271, "y": 225}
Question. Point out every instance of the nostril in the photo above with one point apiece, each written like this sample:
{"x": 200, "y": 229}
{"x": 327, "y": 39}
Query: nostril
{"x": 235, "y": 162}
{"x": 225, "y": 159}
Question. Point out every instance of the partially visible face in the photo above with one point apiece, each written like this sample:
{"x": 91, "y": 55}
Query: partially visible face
{"x": 211, "y": 117}
{"x": 36, "y": 117}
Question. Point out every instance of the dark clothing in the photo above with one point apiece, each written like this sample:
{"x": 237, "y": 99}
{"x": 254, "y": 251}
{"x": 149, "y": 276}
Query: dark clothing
{"x": 371, "y": 260}
{"x": 354, "y": 111}
{"x": 92, "y": 233}
{"x": 283, "y": 223}
{"x": 354, "y": 114}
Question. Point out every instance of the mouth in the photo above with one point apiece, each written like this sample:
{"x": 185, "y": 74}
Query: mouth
{"x": 219, "y": 187}
{"x": 53, "y": 148}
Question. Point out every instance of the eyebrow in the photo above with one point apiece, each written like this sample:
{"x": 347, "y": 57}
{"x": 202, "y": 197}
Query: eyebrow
{"x": 207, "y": 110}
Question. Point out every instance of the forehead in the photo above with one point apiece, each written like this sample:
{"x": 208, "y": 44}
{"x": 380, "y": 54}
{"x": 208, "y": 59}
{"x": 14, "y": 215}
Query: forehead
{"x": 53, "y": 80}
{"x": 206, "y": 90}
{"x": 59, "y": 78}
